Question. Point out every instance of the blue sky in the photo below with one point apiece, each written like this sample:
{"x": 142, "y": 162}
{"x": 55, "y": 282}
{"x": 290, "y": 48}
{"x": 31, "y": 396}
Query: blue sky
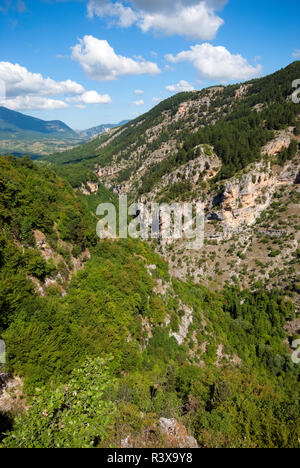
{"x": 84, "y": 62}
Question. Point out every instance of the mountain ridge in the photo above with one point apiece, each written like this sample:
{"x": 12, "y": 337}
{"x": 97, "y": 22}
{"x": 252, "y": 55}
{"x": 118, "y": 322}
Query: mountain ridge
{"x": 21, "y": 134}
{"x": 26, "y": 122}
{"x": 233, "y": 148}
{"x": 177, "y": 122}
{"x": 99, "y": 129}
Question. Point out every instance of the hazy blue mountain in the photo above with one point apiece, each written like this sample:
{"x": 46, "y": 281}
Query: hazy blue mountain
{"x": 23, "y": 134}
{"x": 99, "y": 129}
{"x": 12, "y": 121}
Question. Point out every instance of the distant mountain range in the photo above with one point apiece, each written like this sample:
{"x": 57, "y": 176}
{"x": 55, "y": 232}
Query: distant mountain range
{"x": 15, "y": 122}
{"x": 95, "y": 131}
{"x": 22, "y": 134}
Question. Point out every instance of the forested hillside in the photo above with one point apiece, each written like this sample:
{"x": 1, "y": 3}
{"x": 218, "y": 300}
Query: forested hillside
{"x": 236, "y": 120}
{"x": 113, "y": 343}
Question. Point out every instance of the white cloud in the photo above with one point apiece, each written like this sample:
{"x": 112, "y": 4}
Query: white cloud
{"x": 139, "y": 103}
{"x": 195, "y": 21}
{"x": 26, "y": 90}
{"x": 91, "y": 97}
{"x": 125, "y": 16}
{"x": 296, "y": 53}
{"x": 180, "y": 87}
{"x": 155, "y": 100}
{"x": 100, "y": 62}
{"x": 191, "y": 18}
{"x": 33, "y": 102}
{"x": 139, "y": 92}
{"x": 19, "y": 81}
{"x": 217, "y": 63}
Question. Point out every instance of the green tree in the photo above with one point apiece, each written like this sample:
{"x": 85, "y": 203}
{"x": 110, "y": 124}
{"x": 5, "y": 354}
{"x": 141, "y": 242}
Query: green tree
{"x": 74, "y": 415}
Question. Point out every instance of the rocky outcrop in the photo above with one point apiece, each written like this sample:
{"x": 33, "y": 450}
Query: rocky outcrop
{"x": 176, "y": 434}
{"x": 167, "y": 433}
{"x": 12, "y": 397}
{"x": 90, "y": 187}
{"x": 206, "y": 165}
{"x": 48, "y": 253}
{"x": 244, "y": 199}
{"x": 282, "y": 141}
{"x": 184, "y": 325}
{"x": 293, "y": 327}
{"x": 241, "y": 91}
{"x": 202, "y": 168}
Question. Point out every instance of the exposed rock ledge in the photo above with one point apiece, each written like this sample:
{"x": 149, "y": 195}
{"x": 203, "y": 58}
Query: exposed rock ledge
{"x": 282, "y": 141}
{"x": 177, "y": 434}
{"x": 244, "y": 199}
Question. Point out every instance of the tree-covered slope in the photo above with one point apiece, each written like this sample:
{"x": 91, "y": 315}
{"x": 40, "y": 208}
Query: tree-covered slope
{"x": 107, "y": 349}
{"x": 236, "y": 120}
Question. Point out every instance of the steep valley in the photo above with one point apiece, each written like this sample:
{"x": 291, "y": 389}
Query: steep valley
{"x": 170, "y": 347}
{"x": 249, "y": 184}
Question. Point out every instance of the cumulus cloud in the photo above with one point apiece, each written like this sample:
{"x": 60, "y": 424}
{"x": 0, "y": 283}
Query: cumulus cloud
{"x": 26, "y": 90}
{"x": 191, "y": 18}
{"x": 180, "y": 87}
{"x": 100, "y": 62}
{"x": 195, "y": 21}
{"x": 138, "y": 91}
{"x": 217, "y": 63}
{"x": 19, "y": 81}
{"x": 91, "y": 97}
{"x": 156, "y": 100}
{"x": 139, "y": 102}
{"x": 33, "y": 102}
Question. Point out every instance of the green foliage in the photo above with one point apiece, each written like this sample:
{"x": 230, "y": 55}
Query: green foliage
{"x": 37, "y": 266}
{"x": 73, "y": 415}
{"x": 288, "y": 153}
{"x": 157, "y": 310}
{"x": 104, "y": 306}
{"x": 25, "y": 208}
